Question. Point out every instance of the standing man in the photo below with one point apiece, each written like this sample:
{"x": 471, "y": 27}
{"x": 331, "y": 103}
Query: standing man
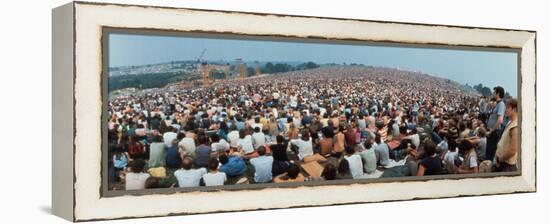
{"x": 483, "y": 108}
{"x": 172, "y": 100}
{"x": 495, "y": 122}
{"x": 507, "y": 147}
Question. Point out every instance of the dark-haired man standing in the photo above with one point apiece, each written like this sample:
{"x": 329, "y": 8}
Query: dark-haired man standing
{"x": 495, "y": 122}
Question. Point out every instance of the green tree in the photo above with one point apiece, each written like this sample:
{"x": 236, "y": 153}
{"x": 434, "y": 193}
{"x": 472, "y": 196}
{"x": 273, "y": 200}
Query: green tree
{"x": 250, "y": 71}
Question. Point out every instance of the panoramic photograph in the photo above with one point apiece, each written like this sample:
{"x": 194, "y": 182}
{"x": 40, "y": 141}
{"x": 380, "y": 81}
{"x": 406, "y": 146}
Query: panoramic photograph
{"x": 201, "y": 111}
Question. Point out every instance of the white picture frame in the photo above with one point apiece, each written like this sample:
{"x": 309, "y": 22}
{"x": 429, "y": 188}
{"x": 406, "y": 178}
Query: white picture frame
{"x": 77, "y": 94}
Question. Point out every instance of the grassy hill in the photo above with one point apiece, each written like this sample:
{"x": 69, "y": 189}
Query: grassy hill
{"x": 143, "y": 81}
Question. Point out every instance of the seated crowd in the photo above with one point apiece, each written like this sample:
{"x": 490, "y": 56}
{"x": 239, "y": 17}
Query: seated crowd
{"x": 249, "y": 134}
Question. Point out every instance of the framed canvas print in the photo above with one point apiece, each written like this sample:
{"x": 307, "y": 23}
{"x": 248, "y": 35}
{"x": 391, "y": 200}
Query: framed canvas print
{"x": 178, "y": 107}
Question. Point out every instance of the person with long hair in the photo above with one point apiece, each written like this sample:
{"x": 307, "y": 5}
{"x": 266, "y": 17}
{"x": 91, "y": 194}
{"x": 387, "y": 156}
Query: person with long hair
{"x": 304, "y": 144}
{"x": 136, "y": 150}
{"x": 292, "y": 132}
{"x": 470, "y": 164}
{"x": 326, "y": 142}
{"x": 355, "y": 162}
{"x": 343, "y": 171}
{"x": 339, "y": 142}
{"x": 507, "y": 147}
{"x": 223, "y": 130}
{"x": 244, "y": 143}
{"x": 136, "y": 177}
{"x": 431, "y": 164}
{"x": 157, "y": 152}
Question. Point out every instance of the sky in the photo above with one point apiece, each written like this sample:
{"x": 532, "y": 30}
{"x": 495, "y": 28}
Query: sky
{"x": 491, "y": 68}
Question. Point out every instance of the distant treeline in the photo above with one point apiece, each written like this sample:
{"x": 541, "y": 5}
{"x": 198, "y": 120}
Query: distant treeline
{"x": 157, "y": 80}
{"x": 271, "y": 68}
{"x": 486, "y": 91}
{"x": 143, "y": 81}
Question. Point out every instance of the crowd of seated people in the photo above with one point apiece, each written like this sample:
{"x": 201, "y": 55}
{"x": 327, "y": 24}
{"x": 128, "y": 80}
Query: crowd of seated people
{"x": 354, "y": 124}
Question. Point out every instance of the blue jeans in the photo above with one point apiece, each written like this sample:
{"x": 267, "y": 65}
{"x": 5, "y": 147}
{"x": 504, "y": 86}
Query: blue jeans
{"x": 492, "y": 141}
{"x": 435, "y": 138}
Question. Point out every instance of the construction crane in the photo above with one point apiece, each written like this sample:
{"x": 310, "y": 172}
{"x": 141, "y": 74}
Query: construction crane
{"x": 200, "y": 57}
{"x": 202, "y": 67}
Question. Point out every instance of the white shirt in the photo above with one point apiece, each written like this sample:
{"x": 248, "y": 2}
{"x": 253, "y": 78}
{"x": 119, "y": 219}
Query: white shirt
{"x": 451, "y": 156}
{"x": 322, "y": 111}
{"x": 297, "y": 122}
{"x": 355, "y": 165}
{"x": 442, "y": 146}
{"x": 258, "y": 125}
{"x": 189, "y": 178}
{"x": 275, "y": 113}
{"x": 293, "y": 101}
{"x": 188, "y": 144}
{"x": 214, "y": 179}
{"x": 220, "y": 146}
{"x": 246, "y": 144}
{"x": 305, "y": 148}
{"x": 169, "y": 137}
{"x": 136, "y": 181}
{"x": 415, "y": 139}
{"x": 233, "y": 137}
{"x": 258, "y": 139}
{"x": 473, "y": 162}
